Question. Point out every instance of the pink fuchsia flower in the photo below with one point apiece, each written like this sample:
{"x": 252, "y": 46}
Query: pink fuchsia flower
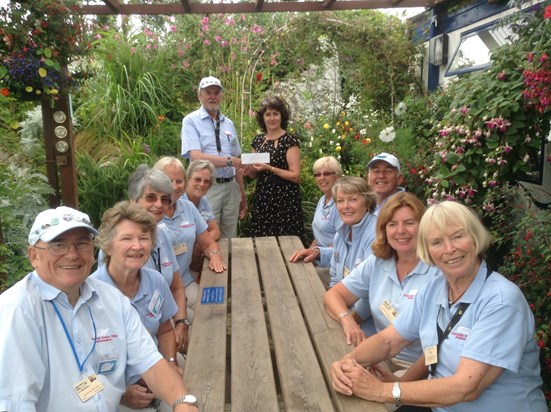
{"x": 173, "y": 28}
{"x": 499, "y": 124}
{"x": 217, "y": 38}
{"x": 460, "y": 151}
{"x": 185, "y": 63}
{"x": 507, "y": 149}
{"x": 224, "y": 43}
{"x": 256, "y": 29}
{"x": 230, "y": 21}
{"x": 543, "y": 57}
{"x": 492, "y": 183}
{"x": 206, "y": 42}
{"x": 464, "y": 110}
{"x": 502, "y": 76}
{"x": 187, "y": 46}
{"x": 180, "y": 52}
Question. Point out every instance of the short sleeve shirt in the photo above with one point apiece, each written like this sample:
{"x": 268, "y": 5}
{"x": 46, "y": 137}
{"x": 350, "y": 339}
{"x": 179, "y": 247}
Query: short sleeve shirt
{"x": 204, "y": 208}
{"x": 324, "y": 225}
{"x": 198, "y": 133}
{"x": 375, "y": 282}
{"x": 183, "y": 228}
{"x": 497, "y": 328}
{"x": 34, "y": 344}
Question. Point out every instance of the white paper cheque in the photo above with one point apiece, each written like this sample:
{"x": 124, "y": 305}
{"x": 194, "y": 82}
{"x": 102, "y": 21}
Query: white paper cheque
{"x": 250, "y": 158}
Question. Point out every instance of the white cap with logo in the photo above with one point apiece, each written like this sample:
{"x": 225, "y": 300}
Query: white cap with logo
{"x": 385, "y": 157}
{"x": 209, "y": 81}
{"x": 51, "y": 223}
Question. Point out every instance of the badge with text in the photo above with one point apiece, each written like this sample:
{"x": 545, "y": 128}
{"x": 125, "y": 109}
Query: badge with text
{"x": 106, "y": 364}
{"x": 431, "y": 355}
{"x": 388, "y": 310}
{"x": 88, "y": 387}
{"x": 156, "y": 303}
{"x": 213, "y": 295}
{"x": 179, "y": 249}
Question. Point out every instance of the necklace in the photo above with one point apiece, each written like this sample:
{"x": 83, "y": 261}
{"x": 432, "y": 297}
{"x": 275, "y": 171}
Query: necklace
{"x": 451, "y": 299}
{"x": 407, "y": 271}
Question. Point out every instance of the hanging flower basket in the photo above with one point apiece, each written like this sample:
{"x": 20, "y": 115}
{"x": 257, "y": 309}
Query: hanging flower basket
{"x": 38, "y": 39}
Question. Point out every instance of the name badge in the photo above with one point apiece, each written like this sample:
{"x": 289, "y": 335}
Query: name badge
{"x": 156, "y": 303}
{"x": 388, "y": 310}
{"x": 345, "y": 272}
{"x": 431, "y": 355}
{"x": 179, "y": 249}
{"x": 88, "y": 387}
{"x": 106, "y": 364}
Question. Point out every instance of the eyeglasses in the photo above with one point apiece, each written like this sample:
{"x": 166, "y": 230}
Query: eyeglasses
{"x": 152, "y": 198}
{"x": 198, "y": 180}
{"x": 60, "y": 248}
{"x": 324, "y": 174}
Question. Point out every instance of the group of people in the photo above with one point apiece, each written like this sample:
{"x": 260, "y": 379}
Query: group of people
{"x": 431, "y": 324}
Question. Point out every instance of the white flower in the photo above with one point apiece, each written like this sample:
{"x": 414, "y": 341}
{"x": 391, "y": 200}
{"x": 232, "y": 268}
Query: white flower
{"x": 400, "y": 109}
{"x": 388, "y": 134}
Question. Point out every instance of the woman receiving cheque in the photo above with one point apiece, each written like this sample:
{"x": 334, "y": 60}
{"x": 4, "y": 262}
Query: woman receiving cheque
{"x": 475, "y": 327}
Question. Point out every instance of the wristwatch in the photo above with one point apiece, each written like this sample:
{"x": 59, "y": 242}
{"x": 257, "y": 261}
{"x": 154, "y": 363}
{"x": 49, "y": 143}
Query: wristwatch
{"x": 229, "y": 161}
{"x": 396, "y": 393}
{"x": 187, "y": 399}
{"x": 184, "y": 321}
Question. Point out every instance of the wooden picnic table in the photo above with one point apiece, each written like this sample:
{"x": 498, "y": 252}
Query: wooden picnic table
{"x": 269, "y": 344}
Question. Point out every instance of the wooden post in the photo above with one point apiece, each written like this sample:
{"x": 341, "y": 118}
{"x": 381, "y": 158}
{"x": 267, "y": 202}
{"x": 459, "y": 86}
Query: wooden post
{"x": 60, "y": 152}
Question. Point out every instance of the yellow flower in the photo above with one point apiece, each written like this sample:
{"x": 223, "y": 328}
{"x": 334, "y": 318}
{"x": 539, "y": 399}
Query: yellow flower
{"x": 347, "y": 123}
{"x": 42, "y": 72}
{"x": 338, "y": 123}
{"x": 326, "y": 126}
{"x": 28, "y": 89}
{"x": 338, "y": 149}
{"x": 54, "y": 91}
{"x": 343, "y": 114}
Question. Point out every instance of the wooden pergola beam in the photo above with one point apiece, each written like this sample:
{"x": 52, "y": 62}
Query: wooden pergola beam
{"x": 260, "y": 6}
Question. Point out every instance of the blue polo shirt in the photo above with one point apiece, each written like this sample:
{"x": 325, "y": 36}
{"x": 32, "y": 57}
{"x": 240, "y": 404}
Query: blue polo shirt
{"x": 324, "y": 225}
{"x": 347, "y": 254}
{"x": 183, "y": 228}
{"x": 375, "y": 281}
{"x": 198, "y": 133}
{"x": 497, "y": 329}
{"x": 204, "y": 208}
{"x": 33, "y": 343}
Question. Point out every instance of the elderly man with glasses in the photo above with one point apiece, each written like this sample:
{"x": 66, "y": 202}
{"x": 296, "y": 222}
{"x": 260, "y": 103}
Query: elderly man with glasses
{"x": 69, "y": 342}
{"x": 209, "y": 135}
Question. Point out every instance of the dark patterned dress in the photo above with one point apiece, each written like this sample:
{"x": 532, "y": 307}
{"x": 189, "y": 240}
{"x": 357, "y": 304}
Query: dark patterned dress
{"x": 276, "y": 204}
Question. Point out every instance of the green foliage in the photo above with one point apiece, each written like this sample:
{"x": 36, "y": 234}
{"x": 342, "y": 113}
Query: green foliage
{"x": 528, "y": 264}
{"x": 104, "y": 182}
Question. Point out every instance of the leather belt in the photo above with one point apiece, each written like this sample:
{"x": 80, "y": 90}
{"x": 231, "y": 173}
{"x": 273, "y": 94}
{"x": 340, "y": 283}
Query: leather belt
{"x": 224, "y": 179}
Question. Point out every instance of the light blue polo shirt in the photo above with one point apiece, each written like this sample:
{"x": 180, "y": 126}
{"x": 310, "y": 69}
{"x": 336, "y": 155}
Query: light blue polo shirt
{"x": 497, "y": 329}
{"x": 152, "y": 285}
{"x": 183, "y": 228}
{"x": 34, "y": 344}
{"x": 204, "y": 208}
{"x": 348, "y": 254}
{"x": 375, "y": 280}
{"x": 324, "y": 225}
{"x": 198, "y": 133}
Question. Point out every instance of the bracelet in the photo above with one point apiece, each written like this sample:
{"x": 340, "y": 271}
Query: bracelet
{"x": 342, "y": 315}
{"x": 172, "y": 360}
{"x": 214, "y": 252}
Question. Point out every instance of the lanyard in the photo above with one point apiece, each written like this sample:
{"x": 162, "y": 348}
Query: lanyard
{"x": 156, "y": 256}
{"x": 80, "y": 365}
{"x": 456, "y": 317}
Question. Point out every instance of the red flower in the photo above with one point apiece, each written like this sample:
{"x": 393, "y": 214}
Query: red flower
{"x": 541, "y": 344}
{"x": 5, "y": 92}
{"x": 259, "y": 76}
{"x": 547, "y": 13}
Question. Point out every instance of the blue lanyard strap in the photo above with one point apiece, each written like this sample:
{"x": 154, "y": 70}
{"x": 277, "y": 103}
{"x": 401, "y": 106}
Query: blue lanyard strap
{"x": 80, "y": 365}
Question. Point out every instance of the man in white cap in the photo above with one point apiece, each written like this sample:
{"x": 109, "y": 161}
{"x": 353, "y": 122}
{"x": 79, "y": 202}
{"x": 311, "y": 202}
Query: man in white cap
{"x": 69, "y": 342}
{"x": 209, "y": 135}
{"x": 384, "y": 178}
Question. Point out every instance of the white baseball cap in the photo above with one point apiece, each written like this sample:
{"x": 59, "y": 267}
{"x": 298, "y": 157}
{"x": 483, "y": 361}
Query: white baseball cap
{"x": 209, "y": 81}
{"x": 51, "y": 223}
{"x": 385, "y": 157}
